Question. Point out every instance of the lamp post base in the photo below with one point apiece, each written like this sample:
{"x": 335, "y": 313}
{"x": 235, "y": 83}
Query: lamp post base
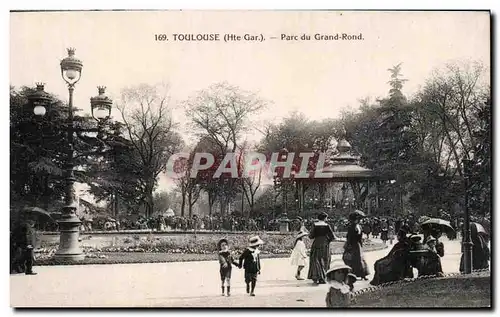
{"x": 467, "y": 247}
{"x": 69, "y": 246}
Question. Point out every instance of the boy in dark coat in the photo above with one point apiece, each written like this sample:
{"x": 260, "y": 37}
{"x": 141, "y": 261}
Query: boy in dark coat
{"x": 226, "y": 261}
{"x": 250, "y": 261}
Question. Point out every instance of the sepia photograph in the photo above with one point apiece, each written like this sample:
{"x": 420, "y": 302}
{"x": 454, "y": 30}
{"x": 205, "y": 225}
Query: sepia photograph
{"x": 253, "y": 158}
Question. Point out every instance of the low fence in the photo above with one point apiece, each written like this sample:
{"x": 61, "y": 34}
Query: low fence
{"x": 113, "y": 238}
{"x": 366, "y": 292}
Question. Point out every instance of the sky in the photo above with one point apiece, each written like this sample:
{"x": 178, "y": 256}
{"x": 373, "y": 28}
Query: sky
{"x": 317, "y": 78}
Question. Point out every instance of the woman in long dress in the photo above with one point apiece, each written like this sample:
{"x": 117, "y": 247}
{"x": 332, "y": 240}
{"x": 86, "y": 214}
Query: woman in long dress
{"x": 353, "y": 252}
{"x": 480, "y": 249}
{"x": 319, "y": 259}
{"x": 395, "y": 265}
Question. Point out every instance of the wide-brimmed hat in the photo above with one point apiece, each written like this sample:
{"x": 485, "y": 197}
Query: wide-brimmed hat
{"x": 340, "y": 265}
{"x": 255, "y": 241}
{"x": 430, "y": 239}
{"x": 415, "y": 237}
{"x": 302, "y": 234}
{"x": 323, "y": 215}
{"x": 221, "y": 241}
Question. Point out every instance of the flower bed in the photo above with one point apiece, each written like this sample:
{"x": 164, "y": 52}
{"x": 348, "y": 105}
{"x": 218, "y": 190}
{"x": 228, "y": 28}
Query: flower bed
{"x": 179, "y": 248}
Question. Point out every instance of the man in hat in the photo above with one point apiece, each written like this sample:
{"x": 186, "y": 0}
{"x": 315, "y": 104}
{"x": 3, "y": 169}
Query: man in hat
{"x": 250, "y": 261}
{"x": 24, "y": 237}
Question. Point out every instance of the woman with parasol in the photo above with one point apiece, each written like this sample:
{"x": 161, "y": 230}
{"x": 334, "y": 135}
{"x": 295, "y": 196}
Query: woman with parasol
{"x": 480, "y": 250}
{"x": 435, "y": 227}
{"x": 353, "y": 252}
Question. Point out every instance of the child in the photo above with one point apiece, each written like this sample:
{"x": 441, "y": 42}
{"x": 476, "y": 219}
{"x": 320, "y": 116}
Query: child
{"x": 226, "y": 261}
{"x": 250, "y": 261}
{"x": 299, "y": 254}
{"x": 339, "y": 294}
{"x": 390, "y": 234}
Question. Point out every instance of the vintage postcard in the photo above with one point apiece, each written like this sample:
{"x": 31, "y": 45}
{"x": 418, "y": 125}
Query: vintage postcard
{"x": 172, "y": 158}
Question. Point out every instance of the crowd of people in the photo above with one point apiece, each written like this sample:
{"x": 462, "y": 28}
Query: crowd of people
{"x": 179, "y": 223}
{"x": 417, "y": 247}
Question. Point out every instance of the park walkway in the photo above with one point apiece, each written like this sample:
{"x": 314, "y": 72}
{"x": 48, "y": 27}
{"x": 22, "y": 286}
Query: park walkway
{"x": 188, "y": 284}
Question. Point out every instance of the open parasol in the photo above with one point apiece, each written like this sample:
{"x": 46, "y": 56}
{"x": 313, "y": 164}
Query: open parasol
{"x": 439, "y": 223}
{"x": 357, "y": 214}
{"x": 37, "y": 213}
{"x": 477, "y": 228}
{"x": 423, "y": 219}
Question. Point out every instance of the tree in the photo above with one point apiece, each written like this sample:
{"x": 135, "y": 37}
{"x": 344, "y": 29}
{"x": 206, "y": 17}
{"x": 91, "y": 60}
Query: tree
{"x": 453, "y": 95}
{"x": 219, "y": 115}
{"x": 451, "y": 121}
{"x": 249, "y": 184}
{"x": 481, "y": 185}
{"x": 189, "y": 185}
{"x": 382, "y": 133}
{"x": 162, "y": 201}
{"x": 111, "y": 177}
{"x": 298, "y": 135}
{"x": 151, "y": 132}
{"x": 39, "y": 148}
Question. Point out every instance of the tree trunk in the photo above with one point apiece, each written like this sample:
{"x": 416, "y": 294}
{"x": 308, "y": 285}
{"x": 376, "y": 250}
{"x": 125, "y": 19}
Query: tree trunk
{"x": 183, "y": 203}
{"x": 115, "y": 205}
{"x": 211, "y": 200}
{"x": 190, "y": 205}
{"x": 250, "y": 212}
{"x": 149, "y": 204}
{"x": 222, "y": 206}
{"x": 322, "y": 190}
{"x": 243, "y": 202}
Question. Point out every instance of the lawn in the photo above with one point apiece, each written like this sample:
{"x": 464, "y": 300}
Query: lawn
{"x": 460, "y": 291}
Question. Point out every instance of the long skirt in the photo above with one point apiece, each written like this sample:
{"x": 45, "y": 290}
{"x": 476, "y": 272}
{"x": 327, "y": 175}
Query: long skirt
{"x": 480, "y": 257}
{"x": 353, "y": 256}
{"x": 319, "y": 259}
{"x": 391, "y": 268}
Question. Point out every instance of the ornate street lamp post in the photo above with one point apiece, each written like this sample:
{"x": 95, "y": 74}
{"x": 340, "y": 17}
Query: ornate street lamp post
{"x": 467, "y": 240}
{"x": 69, "y": 224}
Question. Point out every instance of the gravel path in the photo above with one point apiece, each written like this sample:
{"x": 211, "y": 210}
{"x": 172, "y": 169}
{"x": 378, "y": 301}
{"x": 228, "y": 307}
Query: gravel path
{"x": 189, "y": 284}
